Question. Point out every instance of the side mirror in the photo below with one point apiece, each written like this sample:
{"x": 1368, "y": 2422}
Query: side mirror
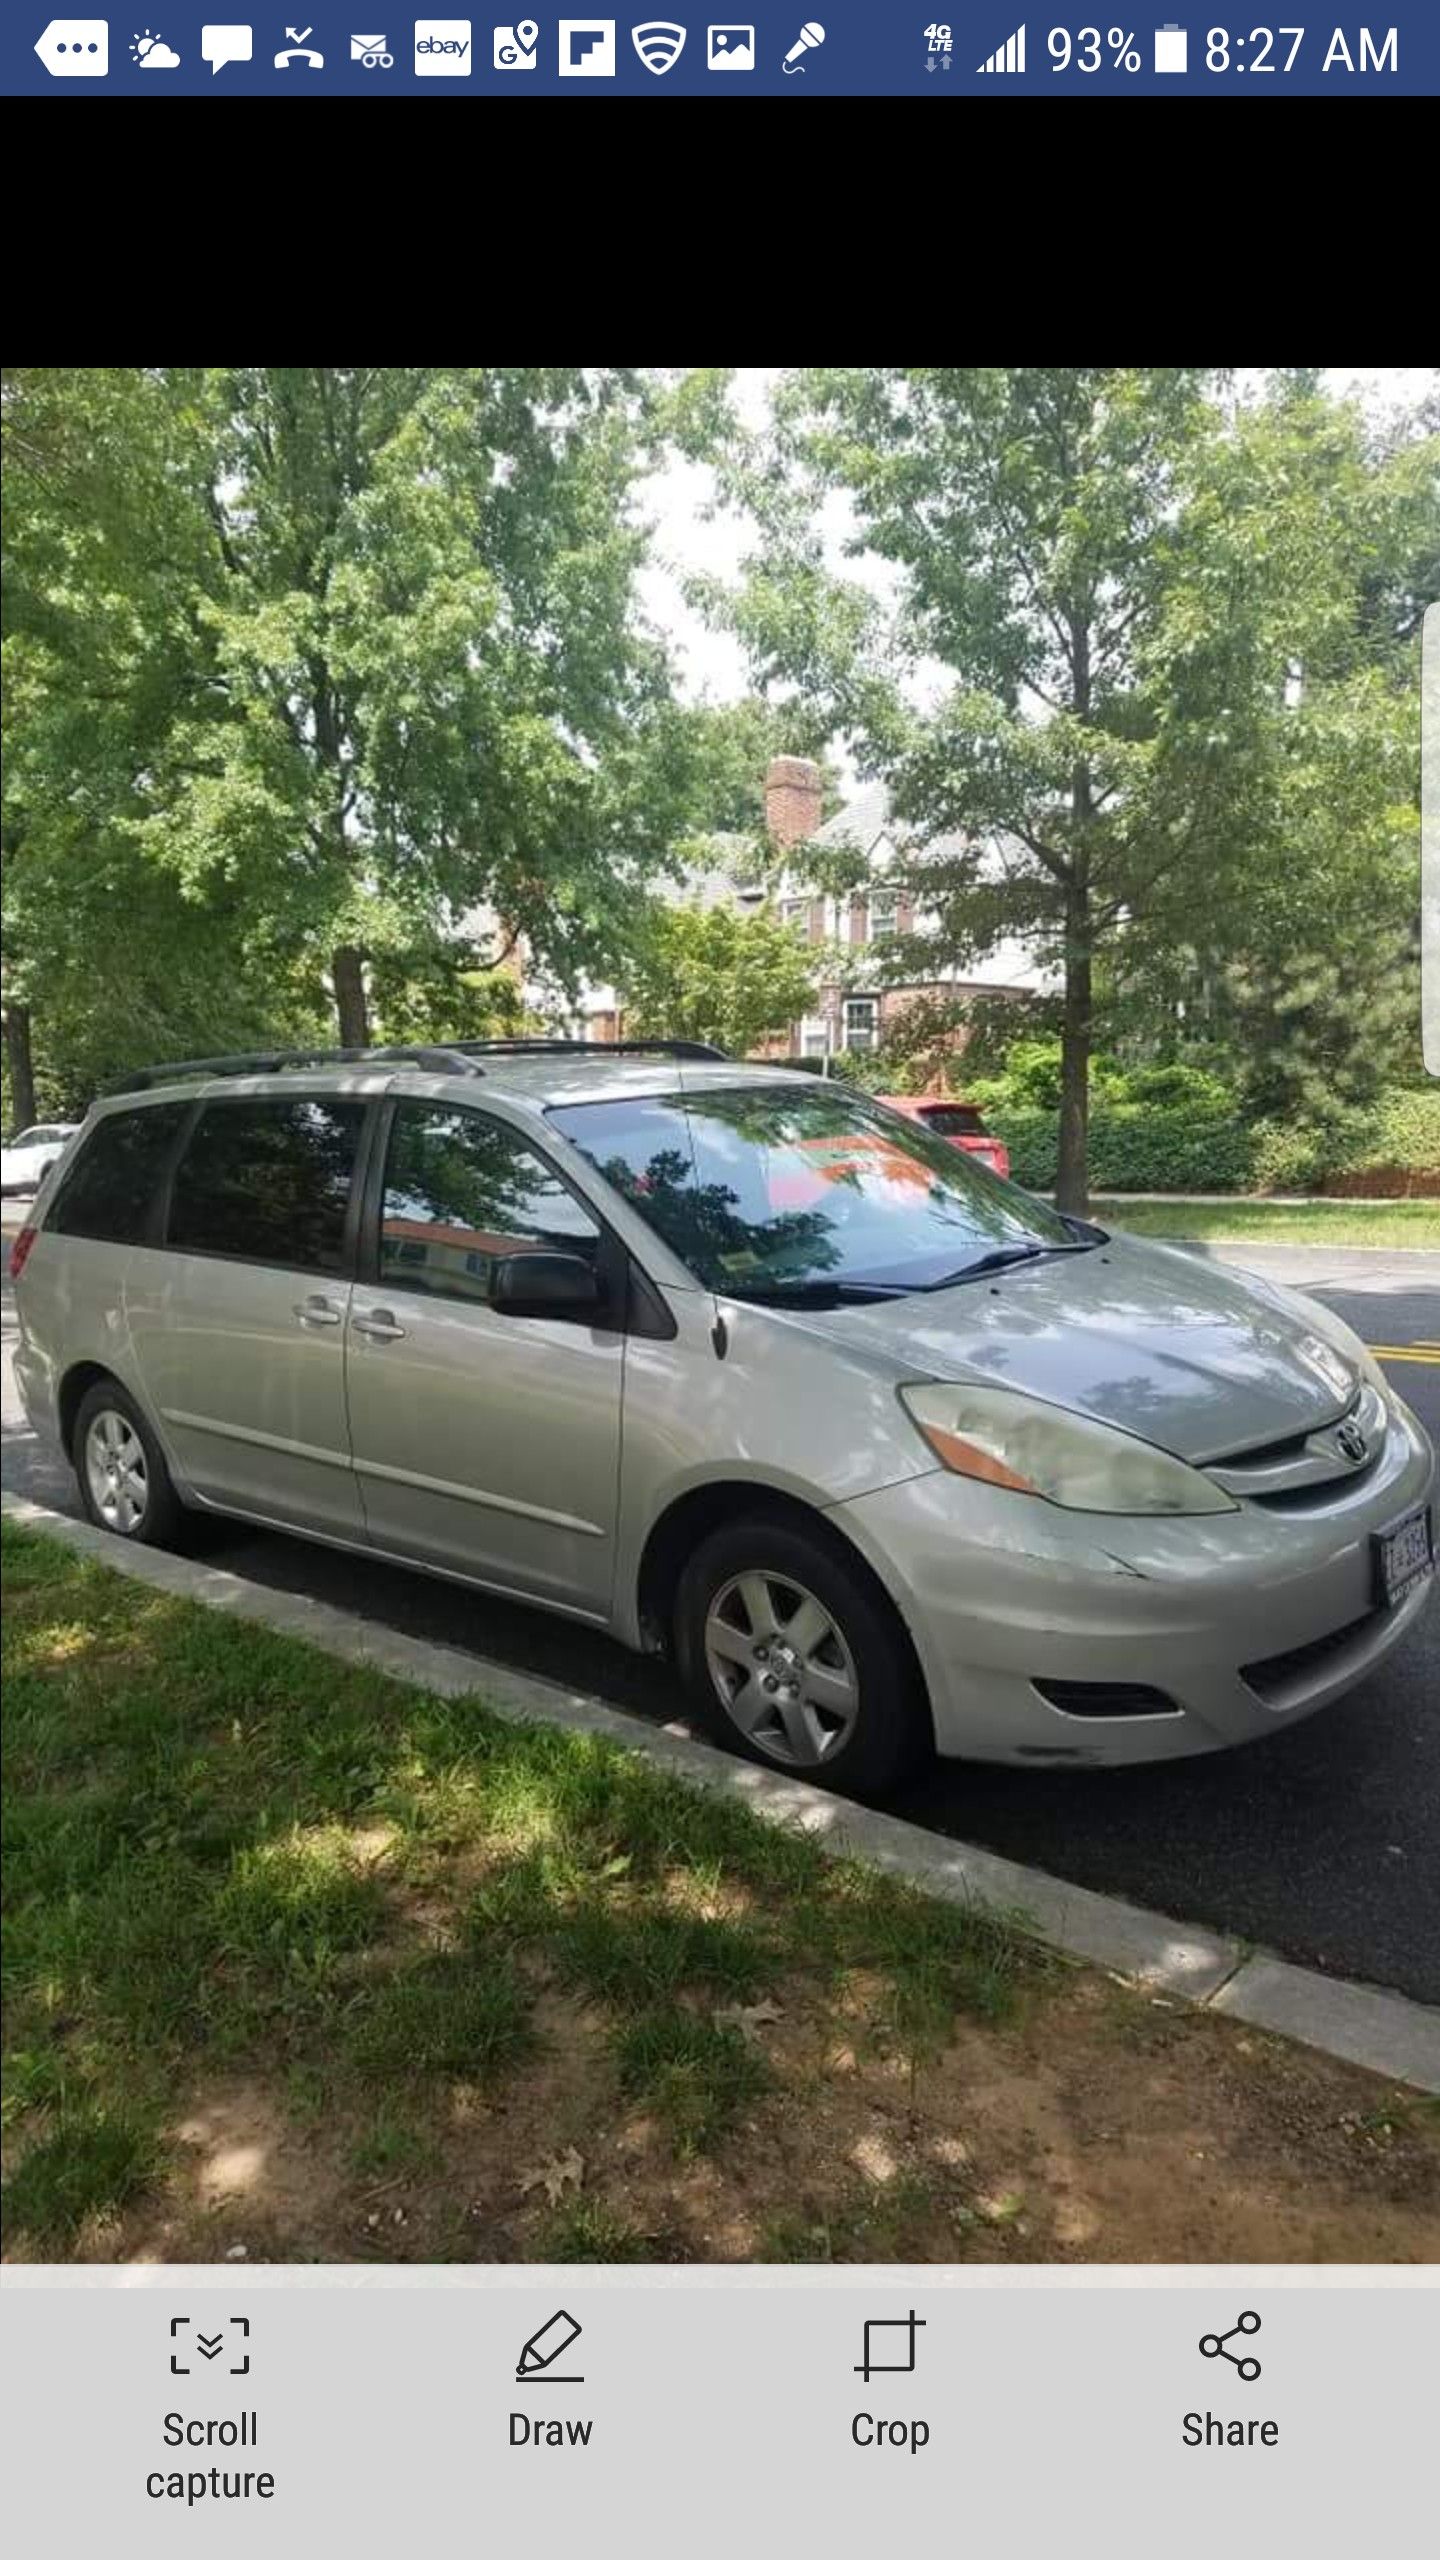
{"x": 545, "y": 1284}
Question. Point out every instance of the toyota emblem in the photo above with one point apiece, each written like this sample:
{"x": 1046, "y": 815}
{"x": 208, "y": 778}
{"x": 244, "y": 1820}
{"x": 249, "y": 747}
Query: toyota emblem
{"x": 1350, "y": 1441}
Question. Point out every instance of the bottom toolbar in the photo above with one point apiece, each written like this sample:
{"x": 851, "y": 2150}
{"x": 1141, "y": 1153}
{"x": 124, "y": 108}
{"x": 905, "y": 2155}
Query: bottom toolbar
{"x": 571, "y": 2408}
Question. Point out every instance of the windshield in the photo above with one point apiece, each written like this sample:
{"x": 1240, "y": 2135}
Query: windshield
{"x": 772, "y": 1190}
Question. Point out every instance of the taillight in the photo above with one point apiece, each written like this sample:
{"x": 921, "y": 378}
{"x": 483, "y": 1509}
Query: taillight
{"x": 20, "y": 1250}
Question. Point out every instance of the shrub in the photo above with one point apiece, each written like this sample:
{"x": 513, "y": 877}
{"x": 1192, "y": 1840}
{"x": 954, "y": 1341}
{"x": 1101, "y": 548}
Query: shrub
{"x": 1391, "y": 1151}
{"x": 1171, "y": 1088}
{"x": 1134, "y": 1148}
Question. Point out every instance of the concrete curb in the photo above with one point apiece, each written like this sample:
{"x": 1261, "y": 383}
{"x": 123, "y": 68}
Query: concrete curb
{"x": 1390, "y": 2035}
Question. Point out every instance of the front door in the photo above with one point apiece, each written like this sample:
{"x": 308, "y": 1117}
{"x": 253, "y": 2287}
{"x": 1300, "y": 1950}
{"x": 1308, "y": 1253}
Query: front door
{"x": 484, "y": 1442}
{"x": 238, "y": 1321}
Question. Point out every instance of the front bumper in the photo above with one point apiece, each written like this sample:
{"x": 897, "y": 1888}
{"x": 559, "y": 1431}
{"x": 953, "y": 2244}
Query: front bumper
{"x": 1001, "y": 1590}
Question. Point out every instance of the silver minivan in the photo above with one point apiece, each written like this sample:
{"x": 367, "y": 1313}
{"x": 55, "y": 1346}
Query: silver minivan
{"x": 731, "y": 1361}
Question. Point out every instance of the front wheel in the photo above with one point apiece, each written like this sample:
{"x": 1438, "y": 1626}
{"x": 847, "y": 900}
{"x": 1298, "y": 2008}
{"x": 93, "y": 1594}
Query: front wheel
{"x": 793, "y": 1658}
{"x": 124, "y": 1482}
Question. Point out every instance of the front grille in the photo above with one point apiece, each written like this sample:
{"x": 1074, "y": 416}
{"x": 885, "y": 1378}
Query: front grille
{"x": 1105, "y": 1698}
{"x": 1277, "y": 1672}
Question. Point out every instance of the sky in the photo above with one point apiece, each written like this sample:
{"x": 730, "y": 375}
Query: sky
{"x": 711, "y": 664}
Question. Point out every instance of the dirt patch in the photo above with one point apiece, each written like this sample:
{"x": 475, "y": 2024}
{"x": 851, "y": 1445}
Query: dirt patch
{"x": 1107, "y": 2126}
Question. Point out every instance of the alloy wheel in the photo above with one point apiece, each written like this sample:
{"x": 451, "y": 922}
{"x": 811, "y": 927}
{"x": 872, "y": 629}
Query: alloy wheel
{"x": 115, "y": 1471}
{"x": 781, "y": 1668}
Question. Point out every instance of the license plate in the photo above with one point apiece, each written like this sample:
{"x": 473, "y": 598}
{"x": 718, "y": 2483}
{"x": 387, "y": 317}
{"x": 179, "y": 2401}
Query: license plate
{"x": 1403, "y": 1557}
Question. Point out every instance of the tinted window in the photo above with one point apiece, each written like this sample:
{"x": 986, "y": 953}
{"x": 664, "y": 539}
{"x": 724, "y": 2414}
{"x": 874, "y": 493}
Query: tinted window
{"x": 461, "y": 1194}
{"x": 955, "y": 1120}
{"x": 268, "y": 1182}
{"x": 765, "y": 1188}
{"x": 109, "y": 1187}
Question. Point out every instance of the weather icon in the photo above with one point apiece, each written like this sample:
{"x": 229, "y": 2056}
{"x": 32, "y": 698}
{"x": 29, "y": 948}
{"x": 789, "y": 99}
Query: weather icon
{"x": 151, "y": 53}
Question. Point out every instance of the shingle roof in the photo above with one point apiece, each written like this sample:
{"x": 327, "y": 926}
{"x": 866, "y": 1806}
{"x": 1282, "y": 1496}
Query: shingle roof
{"x": 869, "y": 816}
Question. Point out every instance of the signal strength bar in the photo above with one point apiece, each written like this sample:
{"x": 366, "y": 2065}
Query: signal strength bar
{"x": 1009, "y": 56}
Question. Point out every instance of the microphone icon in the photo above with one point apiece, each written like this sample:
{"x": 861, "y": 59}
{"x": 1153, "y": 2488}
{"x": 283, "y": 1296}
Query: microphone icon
{"x": 809, "y": 34}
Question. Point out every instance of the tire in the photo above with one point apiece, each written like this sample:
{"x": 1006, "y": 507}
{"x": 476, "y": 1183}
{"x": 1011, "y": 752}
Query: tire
{"x": 124, "y": 1483}
{"x": 833, "y": 1695}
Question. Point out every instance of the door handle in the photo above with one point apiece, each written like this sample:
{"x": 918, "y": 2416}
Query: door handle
{"x": 379, "y": 1325}
{"x": 317, "y": 1311}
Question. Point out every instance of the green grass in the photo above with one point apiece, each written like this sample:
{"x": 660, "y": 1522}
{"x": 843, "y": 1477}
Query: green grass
{"x": 586, "y": 2233}
{"x": 1343, "y": 1222}
{"x": 90, "y": 2161}
{"x": 227, "y": 1854}
{"x": 697, "y": 2077}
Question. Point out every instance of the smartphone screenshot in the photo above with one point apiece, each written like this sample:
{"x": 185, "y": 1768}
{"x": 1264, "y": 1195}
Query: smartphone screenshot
{"x": 721, "y": 1369}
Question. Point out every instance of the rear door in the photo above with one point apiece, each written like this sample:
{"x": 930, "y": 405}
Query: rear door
{"x": 239, "y": 1322}
{"x": 484, "y": 1442}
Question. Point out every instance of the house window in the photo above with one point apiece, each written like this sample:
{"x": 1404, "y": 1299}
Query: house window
{"x": 796, "y": 912}
{"x": 814, "y": 1037}
{"x": 884, "y": 915}
{"x": 862, "y": 1022}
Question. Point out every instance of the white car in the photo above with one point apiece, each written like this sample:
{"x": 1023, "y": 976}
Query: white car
{"x": 30, "y": 1154}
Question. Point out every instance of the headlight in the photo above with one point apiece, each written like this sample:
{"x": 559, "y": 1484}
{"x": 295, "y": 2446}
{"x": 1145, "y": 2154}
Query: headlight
{"x": 1002, "y": 1438}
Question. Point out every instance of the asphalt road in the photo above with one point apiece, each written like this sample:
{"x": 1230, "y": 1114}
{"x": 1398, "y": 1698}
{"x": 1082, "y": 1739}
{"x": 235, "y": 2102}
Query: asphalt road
{"x": 1323, "y": 1842}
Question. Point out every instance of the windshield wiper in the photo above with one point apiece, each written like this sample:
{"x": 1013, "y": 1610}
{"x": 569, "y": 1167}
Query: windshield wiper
{"x": 1000, "y": 1260}
{"x": 818, "y": 1293}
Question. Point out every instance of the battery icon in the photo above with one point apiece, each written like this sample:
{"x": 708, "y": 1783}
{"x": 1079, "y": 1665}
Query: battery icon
{"x": 1172, "y": 48}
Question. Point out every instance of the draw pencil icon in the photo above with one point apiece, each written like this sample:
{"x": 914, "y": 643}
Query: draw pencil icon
{"x": 559, "y": 2332}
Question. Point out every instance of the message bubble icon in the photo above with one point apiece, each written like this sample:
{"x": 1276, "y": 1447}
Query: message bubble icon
{"x": 219, "y": 45}
{"x": 76, "y": 48}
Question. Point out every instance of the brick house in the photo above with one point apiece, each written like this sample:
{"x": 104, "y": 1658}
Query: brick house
{"x": 854, "y": 1009}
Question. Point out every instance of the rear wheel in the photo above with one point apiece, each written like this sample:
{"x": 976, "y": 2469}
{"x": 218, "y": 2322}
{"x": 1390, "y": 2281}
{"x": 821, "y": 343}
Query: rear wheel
{"x": 793, "y": 1659}
{"x": 124, "y": 1482}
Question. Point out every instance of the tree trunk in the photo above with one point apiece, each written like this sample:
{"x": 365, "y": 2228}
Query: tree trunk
{"x": 21, "y": 1064}
{"x": 1072, "y": 1181}
{"x": 351, "y": 1012}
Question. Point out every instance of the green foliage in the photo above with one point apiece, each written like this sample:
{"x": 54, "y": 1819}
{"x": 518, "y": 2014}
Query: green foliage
{"x": 1317, "y": 1030}
{"x": 312, "y": 661}
{"x": 1200, "y": 1144}
{"x": 1133, "y": 1147}
{"x": 712, "y": 973}
{"x": 1179, "y": 629}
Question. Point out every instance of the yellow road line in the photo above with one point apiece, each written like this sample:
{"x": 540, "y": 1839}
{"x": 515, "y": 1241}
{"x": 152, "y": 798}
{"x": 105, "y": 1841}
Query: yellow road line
{"x": 1419, "y": 1352}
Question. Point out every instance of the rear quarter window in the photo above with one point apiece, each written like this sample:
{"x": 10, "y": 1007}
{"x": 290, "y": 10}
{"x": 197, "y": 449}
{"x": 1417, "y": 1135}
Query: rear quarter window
{"x": 109, "y": 1188}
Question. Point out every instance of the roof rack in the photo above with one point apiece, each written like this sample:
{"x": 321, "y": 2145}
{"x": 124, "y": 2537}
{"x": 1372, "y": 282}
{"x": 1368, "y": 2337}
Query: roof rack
{"x": 450, "y": 1058}
{"x": 522, "y": 1047}
{"x": 446, "y": 1061}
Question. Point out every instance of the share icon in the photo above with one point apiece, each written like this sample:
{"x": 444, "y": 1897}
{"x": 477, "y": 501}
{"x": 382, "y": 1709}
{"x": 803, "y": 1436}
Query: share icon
{"x": 1248, "y": 2367}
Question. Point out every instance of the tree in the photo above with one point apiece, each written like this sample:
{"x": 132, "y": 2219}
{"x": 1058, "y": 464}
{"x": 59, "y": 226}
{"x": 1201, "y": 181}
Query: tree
{"x": 437, "y": 696}
{"x": 710, "y": 973}
{"x": 335, "y": 671}
{"x": 108, "y": 957}
{"x": 1126, "y": 578}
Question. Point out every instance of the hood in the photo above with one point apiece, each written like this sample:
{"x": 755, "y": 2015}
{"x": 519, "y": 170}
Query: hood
{"x": 1197, "y": 1358}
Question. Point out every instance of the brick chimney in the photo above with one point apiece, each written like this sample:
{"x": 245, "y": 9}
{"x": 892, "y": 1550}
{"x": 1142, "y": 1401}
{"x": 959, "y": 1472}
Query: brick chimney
{"x": 793, "y": 799}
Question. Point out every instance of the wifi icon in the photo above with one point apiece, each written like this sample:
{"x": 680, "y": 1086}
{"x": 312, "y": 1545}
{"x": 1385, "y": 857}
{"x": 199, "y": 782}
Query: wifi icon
{"x": 659, "y": 44}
